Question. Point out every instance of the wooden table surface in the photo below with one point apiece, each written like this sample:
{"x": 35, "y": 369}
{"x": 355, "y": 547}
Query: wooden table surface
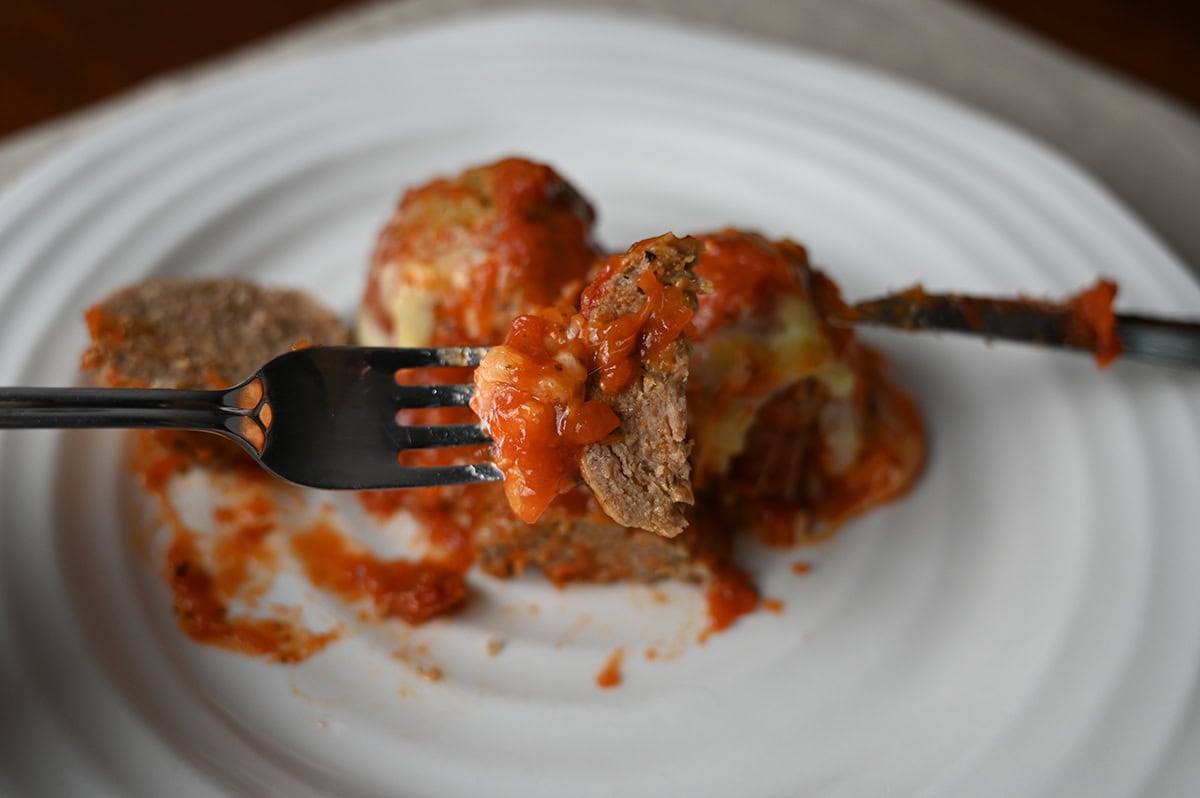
{"x": 60, "y": 55}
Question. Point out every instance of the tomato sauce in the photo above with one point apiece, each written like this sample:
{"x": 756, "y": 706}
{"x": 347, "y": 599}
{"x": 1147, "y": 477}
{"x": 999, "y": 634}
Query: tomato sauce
{"x": 730, "y": 595}
{"x": 618, "y": 347}
{"x": 531, "y": 397}
{"x": 445, "y": 515}
{"x": 414, "y": 591}
{"x": 203, "y": 585}
{"x": 610, "y": 675}
{"x": 382, "y": 504}
{"x": 204, "y": 615}
{"x": 1092, "y": 323}
{"x": 242, "y": 546}
{"x": 528, "y": 231}
{"x": 531, "y": 393}
{"x": 748, "y": 274}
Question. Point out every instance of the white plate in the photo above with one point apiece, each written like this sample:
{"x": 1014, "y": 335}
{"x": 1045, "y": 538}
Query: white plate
{"x": 1028, "y": 622}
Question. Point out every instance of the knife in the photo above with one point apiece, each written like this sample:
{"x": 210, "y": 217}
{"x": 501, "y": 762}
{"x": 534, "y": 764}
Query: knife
{"x": 1072, "y": 324}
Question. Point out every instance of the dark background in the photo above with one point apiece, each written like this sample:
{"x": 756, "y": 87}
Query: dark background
{"x": 59, "y": 55}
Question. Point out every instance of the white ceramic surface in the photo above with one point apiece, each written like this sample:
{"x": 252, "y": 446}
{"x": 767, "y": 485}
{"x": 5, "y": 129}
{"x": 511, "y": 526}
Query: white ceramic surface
{"x": 1026, "y": 623}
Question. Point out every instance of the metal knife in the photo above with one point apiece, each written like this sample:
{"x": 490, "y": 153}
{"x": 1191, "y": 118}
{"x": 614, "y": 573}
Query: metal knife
{"x": 1164, "y": 341}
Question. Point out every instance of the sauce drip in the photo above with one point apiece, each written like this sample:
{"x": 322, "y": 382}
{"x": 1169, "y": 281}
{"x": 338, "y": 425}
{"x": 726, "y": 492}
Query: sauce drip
{"x": 531, "y": 395}
{"x": 610, "y": 675}
{"x": 531, "y": 392}
{"x": 730, "y": 595}
{"x": 618, "y": 346}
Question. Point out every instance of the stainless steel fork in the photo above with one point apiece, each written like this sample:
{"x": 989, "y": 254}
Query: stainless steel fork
{"x": 325, "y": 417}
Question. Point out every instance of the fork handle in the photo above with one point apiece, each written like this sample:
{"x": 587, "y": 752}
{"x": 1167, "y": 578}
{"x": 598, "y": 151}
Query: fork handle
{"x": 115, "y": 407}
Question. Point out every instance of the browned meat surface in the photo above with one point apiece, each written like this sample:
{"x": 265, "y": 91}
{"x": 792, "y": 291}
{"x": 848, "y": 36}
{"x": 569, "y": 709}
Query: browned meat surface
{"x": 583, "y": 551}
{"x": 641, "y": 477}
{"x": 641, "y": 474}
{"x": 170, "y": 332}
{"x": 574, "y": 541}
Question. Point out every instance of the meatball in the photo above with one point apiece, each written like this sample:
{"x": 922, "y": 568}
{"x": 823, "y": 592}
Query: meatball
{"x": 462, "y": 257}
{"x": 797, "y": 425}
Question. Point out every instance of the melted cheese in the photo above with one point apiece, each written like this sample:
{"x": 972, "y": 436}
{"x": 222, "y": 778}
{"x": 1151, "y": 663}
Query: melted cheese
{"x": 740, "y": 369}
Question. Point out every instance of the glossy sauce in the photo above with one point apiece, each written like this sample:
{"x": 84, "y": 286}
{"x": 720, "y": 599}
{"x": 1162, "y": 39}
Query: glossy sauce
{"x": 748, "y": 276}
{"x": 531, "y": 392}
{"x": 528, "y": 230}
{"x": 619, "y": 346}
{"x": 531, "y": 396}
{"x": 446, "y": 516}
{"x": 414, "y": 591}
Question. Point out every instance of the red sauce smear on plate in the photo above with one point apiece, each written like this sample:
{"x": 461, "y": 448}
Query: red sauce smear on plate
{"x": 610, "y": 675}
{"x": 414, "y": 591}
{"x": 773, "y": 605}
{"x": 206, "y": 579}
{"x": 204, "y": 616}
{"x": 202, "y": 587}
{"x": 730, "y": 595}
{"x": 249, "y": 524}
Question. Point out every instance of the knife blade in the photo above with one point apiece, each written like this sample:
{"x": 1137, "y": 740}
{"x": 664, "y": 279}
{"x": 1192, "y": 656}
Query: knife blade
{"x": 1060, "y": 324}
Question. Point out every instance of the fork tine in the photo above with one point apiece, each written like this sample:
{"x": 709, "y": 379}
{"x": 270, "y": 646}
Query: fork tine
{"x": 417, "y": 396}
{"x": 389, "y": 359}
{"x": 438, "y": 436}
{"x": 446, "y": 475}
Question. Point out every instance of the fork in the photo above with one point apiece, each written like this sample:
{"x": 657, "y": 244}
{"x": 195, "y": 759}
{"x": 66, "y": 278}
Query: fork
{"x": 324, "y": 417}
